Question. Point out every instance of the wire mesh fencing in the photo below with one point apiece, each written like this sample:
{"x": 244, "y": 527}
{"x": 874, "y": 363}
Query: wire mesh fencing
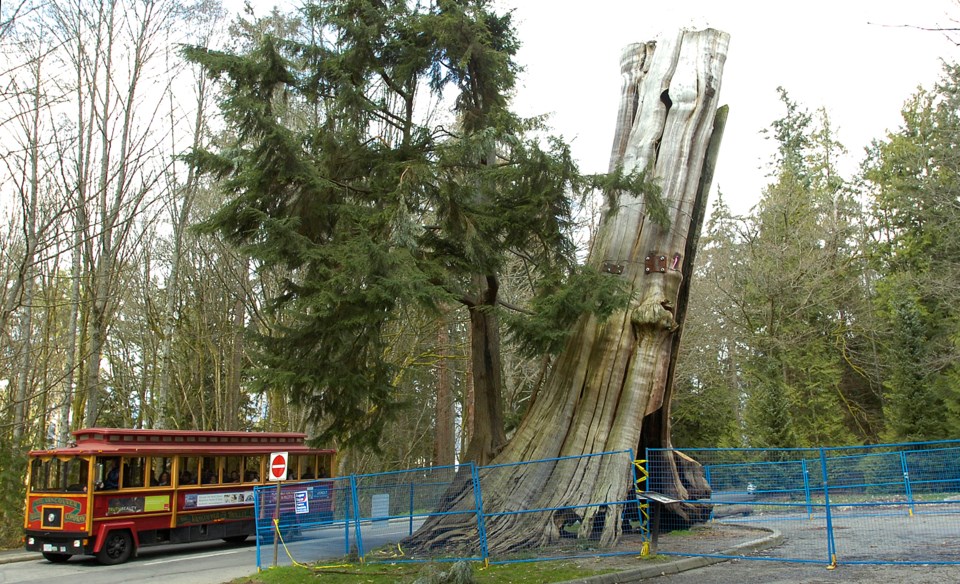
{"x": 393, "y": 506}
{"x": 294, "y": 519}
{"x": 876, "y": 504}
{"x": 451, "y": 513}
{"x": 361, "y": 516}
{"x": 525, "y": 521}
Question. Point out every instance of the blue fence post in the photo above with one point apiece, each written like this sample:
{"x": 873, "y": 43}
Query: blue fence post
{"x": 347, "y": 513}
{"x": 906, "y": 481}
{"x": 411, "y": 508}
{"x": 356, "y": 516}
{"x": 708, "y": 478}
{"x": 806, "y": 487}
{"x": 256, "y": 521}
{"x": 831, "y": 544}
{"x": 481, "y": 523}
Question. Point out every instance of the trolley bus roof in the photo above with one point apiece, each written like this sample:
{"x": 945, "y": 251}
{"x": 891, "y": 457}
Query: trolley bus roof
{"x": 121, "y": 441}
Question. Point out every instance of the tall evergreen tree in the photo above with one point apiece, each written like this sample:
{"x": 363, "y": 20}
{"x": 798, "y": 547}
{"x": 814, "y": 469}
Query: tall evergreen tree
{"x": 345, "y": 174}
{"x": 706, "y": 406}
{"x": 914, "y": 180}
{"x": 800, "y": 293}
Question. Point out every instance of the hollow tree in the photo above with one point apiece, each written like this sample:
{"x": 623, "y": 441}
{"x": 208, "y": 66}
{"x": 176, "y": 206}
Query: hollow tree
{"x": 610, "y": 387}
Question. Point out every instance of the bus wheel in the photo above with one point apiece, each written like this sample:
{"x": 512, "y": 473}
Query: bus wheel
{"x": 236, "y": 538}
{"x": 55, "y": 558}
{"x": 116, "y": 549}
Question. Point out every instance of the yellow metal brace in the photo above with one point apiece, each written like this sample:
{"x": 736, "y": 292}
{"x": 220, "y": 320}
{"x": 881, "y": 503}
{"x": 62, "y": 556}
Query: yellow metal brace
{"x": 642, "y": 477}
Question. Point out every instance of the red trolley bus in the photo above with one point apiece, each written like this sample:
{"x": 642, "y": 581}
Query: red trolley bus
{"x": 116, "y": 490}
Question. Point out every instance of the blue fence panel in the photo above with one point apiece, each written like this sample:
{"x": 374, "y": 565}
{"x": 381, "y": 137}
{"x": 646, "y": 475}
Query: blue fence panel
{"x": 523, "y": 521}
{"x": 312, "y": 519}
{"x": 395, "y": 505}
{"x": 933, "y": 471}
{"x": 895, "y": 503}
{"x": 752, "y": 493}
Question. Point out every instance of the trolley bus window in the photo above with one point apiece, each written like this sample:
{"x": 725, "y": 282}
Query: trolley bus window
{"x": 39, "y": 471}
{"x": 232, "y": 466}
{"x": 306, "y": 463}
{"x": 324, "y": 466}
{"x": 189, "y": 470}
{"x": 293, "y": 464}
{"x": 133, "y": 471}
{"x": 108, "y": 473}
{"x": 251, "y": 469}
{"x": 161, "y": 469}
{"x": 210, "y": 470}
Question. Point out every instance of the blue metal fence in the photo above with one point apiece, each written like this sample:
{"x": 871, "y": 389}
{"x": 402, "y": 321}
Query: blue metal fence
{"x": 880, "y": 504}
{"x": 371, "y": 516}
{"x": 896, "y": 503}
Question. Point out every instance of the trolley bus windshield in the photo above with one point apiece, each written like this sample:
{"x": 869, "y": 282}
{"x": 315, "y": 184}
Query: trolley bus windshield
{"x": 59, "y": 475}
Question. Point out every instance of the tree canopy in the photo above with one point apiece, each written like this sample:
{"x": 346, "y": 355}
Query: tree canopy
{"x": 374, "y": 157}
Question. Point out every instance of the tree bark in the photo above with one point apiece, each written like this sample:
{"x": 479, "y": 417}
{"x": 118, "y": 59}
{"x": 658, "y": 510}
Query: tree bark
{"x": 611, "y": 375}
{"x": 444, "y": 446}
{"x": 488, "y": 436}
{"x": 29, "y": 201}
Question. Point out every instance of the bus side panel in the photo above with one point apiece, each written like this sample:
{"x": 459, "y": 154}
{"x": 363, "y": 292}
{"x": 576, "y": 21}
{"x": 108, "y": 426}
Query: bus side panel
{"x": 206, "y": 513}
{"x": 244, "y": 513}
{"x": 135, "y": 503}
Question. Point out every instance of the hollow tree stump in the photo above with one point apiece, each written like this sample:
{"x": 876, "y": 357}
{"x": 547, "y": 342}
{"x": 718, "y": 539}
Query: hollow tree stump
{"x": 612, "y": 376}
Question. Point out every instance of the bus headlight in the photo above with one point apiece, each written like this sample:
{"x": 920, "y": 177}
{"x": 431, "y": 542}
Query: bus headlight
{"x": 30, "y": 541}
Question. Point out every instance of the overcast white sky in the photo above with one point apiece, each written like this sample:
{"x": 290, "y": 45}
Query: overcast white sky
{"x": 852, "y": 57}
{"x": 858, "y": 59}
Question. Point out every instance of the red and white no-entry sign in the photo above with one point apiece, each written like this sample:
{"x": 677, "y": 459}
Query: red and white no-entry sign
{"x": 278, "y": 466}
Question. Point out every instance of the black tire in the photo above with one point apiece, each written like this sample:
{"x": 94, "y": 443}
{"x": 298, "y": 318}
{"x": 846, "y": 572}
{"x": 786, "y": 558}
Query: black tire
{"x": 56, "y": 558}
{"x": 117, "y": 548}
{"x": 236, "y": 538}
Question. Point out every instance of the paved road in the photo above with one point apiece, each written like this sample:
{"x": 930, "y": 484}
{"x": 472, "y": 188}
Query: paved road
{"x": 203, "y": 563}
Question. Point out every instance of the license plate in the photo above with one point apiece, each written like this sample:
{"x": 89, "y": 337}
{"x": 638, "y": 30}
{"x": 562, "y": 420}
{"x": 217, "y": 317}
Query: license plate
{"x": 49, "y": 547}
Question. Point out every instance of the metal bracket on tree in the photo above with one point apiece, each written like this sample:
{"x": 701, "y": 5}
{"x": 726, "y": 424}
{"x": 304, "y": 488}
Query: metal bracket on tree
{"x": 656, "y": 263}
{"x": 612, "y": 267}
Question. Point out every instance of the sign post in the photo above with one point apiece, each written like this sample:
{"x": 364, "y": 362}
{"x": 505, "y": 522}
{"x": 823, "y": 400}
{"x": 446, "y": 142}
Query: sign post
{"x": 277, "y": 472}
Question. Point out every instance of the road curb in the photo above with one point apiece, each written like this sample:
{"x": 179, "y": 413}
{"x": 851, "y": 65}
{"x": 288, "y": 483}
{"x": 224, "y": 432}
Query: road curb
{"x": 11, "y": 557}
{"x": 772, "y": 539}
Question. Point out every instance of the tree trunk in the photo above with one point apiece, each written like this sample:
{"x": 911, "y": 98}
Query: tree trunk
{"x": 29, "y": 202}
{"x": 611, "y": 375}
{"x": 444, "y": 447}
{"x": 234, "y": 388}
{"x": 71, "y": 332}
{"x": 488, "y": 437}
{"x": 180, "y": 216}
{"x": 126, "y": 177}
